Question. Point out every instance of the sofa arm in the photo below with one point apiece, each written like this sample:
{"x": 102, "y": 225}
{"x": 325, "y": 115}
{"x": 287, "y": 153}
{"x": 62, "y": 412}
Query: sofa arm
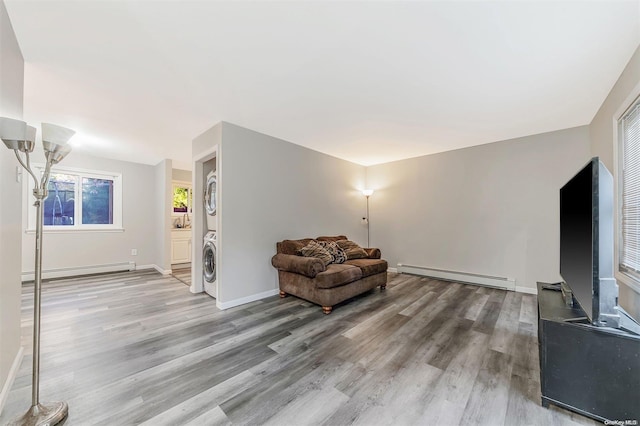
{"x": 373, "y": 253}
{"x": 307, "y": 266}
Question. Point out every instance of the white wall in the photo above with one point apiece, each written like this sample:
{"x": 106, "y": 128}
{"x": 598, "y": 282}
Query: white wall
{"x": 271, "y": 190}
{"x": 604, "y": 141}
{"x": 11, "y": 102}
{"x": 491, "y": 209}
{"x": 181, "y": 175}
{"x": 141, "y": 229}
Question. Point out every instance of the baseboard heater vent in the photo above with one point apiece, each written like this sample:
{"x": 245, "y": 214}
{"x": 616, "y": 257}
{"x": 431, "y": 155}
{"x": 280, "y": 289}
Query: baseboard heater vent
{"x": 463, "y": 277}
{"x": 80, "y": 270}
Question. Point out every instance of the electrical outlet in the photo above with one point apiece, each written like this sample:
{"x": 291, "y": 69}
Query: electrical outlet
{"x": 134, "y": 252}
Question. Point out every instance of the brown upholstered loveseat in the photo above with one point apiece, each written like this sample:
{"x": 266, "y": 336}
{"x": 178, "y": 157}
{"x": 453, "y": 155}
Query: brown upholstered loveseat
{"x": 309, "y": 278}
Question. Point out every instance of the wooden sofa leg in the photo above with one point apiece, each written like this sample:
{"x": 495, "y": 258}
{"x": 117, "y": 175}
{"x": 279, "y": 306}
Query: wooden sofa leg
{"x": 327, "y": 309}
{"x": 383, "y": 287}
{"x": 283, "y": 294}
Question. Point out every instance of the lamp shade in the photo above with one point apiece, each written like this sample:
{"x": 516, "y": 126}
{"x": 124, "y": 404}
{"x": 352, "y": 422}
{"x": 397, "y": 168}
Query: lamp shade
{"x": 53, "y": 136}
{"x": 10, "y": 129}
{"x": 367, "y": 192}
{"x": 16, "y": 134}
{"x": 59, "y": 153}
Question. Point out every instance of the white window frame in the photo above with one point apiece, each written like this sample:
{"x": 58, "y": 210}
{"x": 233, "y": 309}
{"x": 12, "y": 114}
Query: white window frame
{"x": 182, "y": 184}
{"x": 629, "y": 279}
{"x": 78, "y": 227}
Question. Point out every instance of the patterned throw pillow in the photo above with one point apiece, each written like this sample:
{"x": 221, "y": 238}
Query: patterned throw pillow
{"x": 315, "y": 249}
{"x": 352, "y": 250}
{"x": 339, "y": 256}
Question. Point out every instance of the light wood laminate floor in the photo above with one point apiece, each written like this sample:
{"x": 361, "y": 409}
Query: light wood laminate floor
{"x": 138, "y": 348}
{"x": 182, "y": 274}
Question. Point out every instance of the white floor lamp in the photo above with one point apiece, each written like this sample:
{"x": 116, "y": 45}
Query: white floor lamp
{"x": 19, "y": 137}
{"x": 367, "y": 193}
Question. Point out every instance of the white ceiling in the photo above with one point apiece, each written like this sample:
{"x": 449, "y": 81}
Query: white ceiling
{"x": 369, "y": 82}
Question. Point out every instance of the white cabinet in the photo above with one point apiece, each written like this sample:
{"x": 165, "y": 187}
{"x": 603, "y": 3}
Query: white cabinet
{"x": 180, "y": 246}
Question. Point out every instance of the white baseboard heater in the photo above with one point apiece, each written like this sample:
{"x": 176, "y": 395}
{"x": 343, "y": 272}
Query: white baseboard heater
{"x": 463, "y": 277}
{"x": 80, "y": 270}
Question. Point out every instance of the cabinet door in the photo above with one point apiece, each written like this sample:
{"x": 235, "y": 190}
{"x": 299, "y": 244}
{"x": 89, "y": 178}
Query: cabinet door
{"x": 181, "y": 251}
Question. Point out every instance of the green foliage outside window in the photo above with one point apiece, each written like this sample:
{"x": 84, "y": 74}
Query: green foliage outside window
{"x": 180, "y": 199}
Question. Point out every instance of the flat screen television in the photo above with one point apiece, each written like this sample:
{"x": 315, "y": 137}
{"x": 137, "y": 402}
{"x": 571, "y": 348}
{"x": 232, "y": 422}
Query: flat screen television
{"x": 587, "y": 246}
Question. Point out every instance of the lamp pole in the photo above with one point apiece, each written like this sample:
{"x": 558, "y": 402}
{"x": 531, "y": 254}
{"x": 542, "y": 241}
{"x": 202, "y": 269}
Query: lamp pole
{"x": 368, "y": 245}
{"x": 19, "y": 137}
{"x": 367, "y": 193}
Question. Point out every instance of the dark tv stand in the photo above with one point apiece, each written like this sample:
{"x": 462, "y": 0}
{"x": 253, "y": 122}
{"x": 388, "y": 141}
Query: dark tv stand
{"x": 594, "y": 371}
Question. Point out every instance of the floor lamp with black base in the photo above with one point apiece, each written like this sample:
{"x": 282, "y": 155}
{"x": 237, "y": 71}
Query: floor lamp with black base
{"x": 20, "y": 138}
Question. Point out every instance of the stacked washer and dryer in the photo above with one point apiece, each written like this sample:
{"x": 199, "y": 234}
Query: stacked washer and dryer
{"x": 210, "y": 239}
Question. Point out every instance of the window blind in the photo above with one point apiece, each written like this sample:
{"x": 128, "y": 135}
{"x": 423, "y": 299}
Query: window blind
{"x": 630, "y": 244}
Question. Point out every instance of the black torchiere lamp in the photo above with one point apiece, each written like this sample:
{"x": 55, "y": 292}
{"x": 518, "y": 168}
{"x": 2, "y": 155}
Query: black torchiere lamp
{"x": 20, "y": 138}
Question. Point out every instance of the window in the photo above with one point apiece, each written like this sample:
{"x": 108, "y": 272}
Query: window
{"x": 629, "y": 182}
{"x": 182, "y": 198}
{"x": 80, "y": 200}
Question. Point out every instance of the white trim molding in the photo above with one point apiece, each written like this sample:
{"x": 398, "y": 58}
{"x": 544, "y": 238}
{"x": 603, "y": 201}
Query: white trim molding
{"x": 11, "y": 377}
{"x": 79, "y": 173}
{"x": 392, "y": 270}
{"x": 527, "y": 290}
{"x": 165, "y": 272}
{"x": 248, "y": 299}
{"x": 80, "y": 270}
{"x": 206, "y": 154}
{"x": 627, "y": 281}
{"x": 199, "y": 227}
{"x": 621, "y": 277}
{"x": 457, "y": 276}
{"x": 75, "y": 231}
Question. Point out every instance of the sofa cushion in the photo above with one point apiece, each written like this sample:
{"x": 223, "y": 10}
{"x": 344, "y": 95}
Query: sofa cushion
{"x": 368, "y": 266}
{"x": 352, "y": 250}
{"x": 292, "y": 246}
{"x": 337, "y": 275}
{"x": 315, "y": 249}
{"x": 339, "y": 256}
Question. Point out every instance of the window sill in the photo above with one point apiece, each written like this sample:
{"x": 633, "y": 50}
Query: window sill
{"x": 76, "y": 231}
{"x": 628, "y": 281}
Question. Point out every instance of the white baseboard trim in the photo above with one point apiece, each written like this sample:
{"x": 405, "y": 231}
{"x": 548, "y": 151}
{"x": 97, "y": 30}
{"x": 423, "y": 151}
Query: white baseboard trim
{"x": 11, "y": 377}
{"x": 248, "y": 299}
{"x": 528, "y": 290}
{"x": 164, "y": 272}
{"x": 394, "y": 270}
{"x": 80, "y": 270}
{"x": 463, "y": 277}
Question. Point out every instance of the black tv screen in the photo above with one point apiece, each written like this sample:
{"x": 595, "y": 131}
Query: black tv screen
{"x": 586, "y": 237}
{"x": 576, "y": 237}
